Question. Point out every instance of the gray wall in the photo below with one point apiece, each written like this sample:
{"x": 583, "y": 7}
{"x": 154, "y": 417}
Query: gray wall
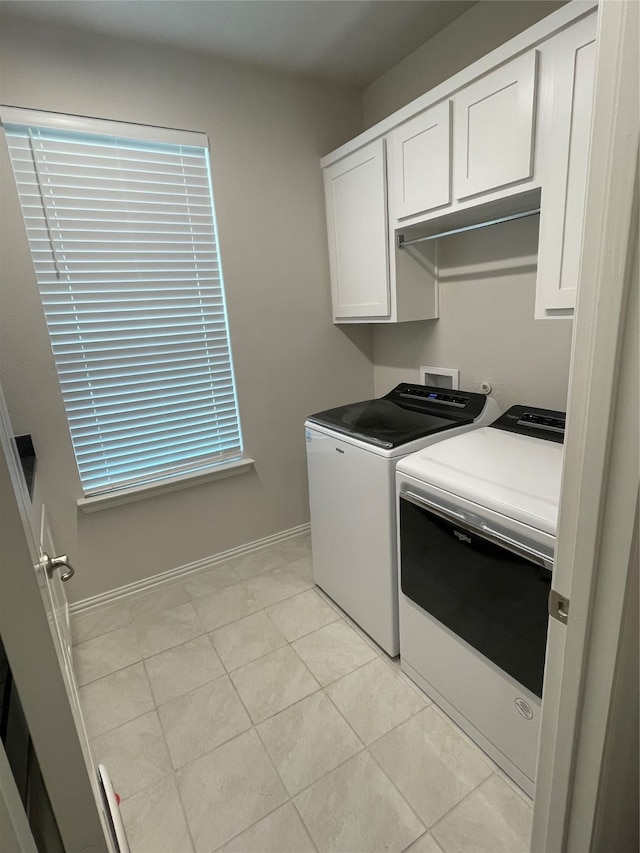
{"x": 482, "y": 28}
{"x": 267, "y": 132}
{"x": 486, "y": 327}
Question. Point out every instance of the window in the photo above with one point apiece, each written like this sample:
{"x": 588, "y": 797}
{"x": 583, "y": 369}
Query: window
{"x": 121, "y": 226}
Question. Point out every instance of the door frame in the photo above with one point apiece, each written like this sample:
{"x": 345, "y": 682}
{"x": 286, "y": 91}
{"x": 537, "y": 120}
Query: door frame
{"x": 598, "y": 509}
{"x": 29, "y": 643}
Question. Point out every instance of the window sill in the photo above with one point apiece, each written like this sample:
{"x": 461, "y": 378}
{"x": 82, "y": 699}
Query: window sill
{"x": 184, "y": 481}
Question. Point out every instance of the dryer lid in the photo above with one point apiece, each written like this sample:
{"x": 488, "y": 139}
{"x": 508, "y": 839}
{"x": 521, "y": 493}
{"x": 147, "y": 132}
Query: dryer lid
{"x": 515, "y": 475}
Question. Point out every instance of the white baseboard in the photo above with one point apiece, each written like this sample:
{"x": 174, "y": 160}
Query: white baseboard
{"x": 174, "y": 574}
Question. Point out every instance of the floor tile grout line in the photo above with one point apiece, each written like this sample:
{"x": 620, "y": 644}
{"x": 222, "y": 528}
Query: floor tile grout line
{"x": 192, "y": 598}
{"x": 344, "y": 675}
{"x": 324, "y": 690}
{"x": 74, "y": 619}
{"x": 259, "y": 609}
{"x": 143, "y": 656}
{"x": 273, "y": 765}
{"x": 400, "y": 794}
{"x": 188, "y": 692}
{"x": 288, "y": 801}
{"x": 104, "y": 634}
{"x": 379, "y": 653}
{"x": 442, "y": 817}
{"x": 91, "y": 737}
{"x": 290, "y": 797}
{"x": 458, "y": 731}
{"x": 502, "y": 774}
{"x": 397, "y": 726}
{"x": 328, "y": 773}
{"x": 227, "y": 673}
{"x": 464, "y": 736}
{"x": 191, "y": 689}
{"x": 146, "y": 787}
{"x": 255, "y": 726}
{"x": 352, "y": 623}
{"x": 184, "y": 810}
{"x": 424, "y": 834}
{"x": 126, "y": 600}
{"x": 457, "y": 805}
{"x": 304, "y": 823}
{"x": 287, "y": 643}
{"x": 80, "y": 684}
{"x": 297, "y": 595}
{"x": 113, "y": 731}
{"x": 262, "y": 657}
{"x": 365, "y": 747}
{"x": 209, "y": 752}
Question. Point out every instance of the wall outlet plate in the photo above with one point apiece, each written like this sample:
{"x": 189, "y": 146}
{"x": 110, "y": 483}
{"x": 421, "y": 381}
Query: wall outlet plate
{"x": 440, "y": 377}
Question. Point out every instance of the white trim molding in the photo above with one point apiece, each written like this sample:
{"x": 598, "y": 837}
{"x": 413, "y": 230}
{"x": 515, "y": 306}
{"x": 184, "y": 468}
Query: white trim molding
{"x": 172, "y": 575}
{"x": 166, "y": 484}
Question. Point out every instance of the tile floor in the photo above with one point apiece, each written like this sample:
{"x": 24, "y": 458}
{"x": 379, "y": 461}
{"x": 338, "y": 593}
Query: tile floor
{"x": 239, "y": 710}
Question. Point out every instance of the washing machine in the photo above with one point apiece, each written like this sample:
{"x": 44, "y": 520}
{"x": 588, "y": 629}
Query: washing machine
{"x": 352, "y": 452}
{"x": 477, "y": 519}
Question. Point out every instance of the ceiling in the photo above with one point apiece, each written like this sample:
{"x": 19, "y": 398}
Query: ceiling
{"x": 347, "y": 41}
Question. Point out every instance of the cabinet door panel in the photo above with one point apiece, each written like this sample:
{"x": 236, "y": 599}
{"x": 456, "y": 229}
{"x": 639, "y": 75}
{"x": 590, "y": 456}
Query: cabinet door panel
{"x": 355, "y": 190}
{"x": 419, "y": 163}
{"x": 493, "y": 128}
{"x": 565, "y": 172}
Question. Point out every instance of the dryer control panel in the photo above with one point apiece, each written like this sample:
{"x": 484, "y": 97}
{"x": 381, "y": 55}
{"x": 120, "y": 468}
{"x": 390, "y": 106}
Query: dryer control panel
{"x": 538, "y": 423}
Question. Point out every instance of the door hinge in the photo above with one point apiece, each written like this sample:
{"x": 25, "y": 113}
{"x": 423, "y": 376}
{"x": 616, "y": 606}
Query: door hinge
{"x": 558, "y": 606}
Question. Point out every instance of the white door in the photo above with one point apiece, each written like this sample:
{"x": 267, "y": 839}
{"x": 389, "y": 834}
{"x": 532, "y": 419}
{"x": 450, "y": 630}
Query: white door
{"x": 585, "y": 800}
{"x": 55, "y": 582}
{"x": 35, "y": 648}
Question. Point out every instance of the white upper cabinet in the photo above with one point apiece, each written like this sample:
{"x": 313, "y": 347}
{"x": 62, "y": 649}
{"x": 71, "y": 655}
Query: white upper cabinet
{"x": 564, "y": 170}
{"x": 370, "y": 281}
{"x": 356, "y": 200}
{"x": 505, "y": 136}
{"x": 419, "y": 154}
{"x": 494, "y": 128}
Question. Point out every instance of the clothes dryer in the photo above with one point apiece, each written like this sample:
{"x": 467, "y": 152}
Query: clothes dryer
{"x": 477, "y": 517}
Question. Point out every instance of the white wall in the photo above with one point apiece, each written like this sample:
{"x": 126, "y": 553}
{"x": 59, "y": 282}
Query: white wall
{"x": 486, "y": 327}
{"x": 482, "y": 28}
{"x": 267, "y": 132}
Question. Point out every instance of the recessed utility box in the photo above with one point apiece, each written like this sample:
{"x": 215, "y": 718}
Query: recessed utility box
{"x": 440, "y": 377}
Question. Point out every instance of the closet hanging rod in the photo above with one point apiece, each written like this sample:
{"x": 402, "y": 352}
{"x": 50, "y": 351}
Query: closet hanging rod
{"x": 402, "y": 243}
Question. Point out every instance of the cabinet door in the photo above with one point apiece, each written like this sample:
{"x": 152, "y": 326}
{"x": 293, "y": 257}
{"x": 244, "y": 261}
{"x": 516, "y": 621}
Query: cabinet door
{"x": 565, "y": 170}
{"x": 493, "y": 128}
{"x": 356, "y": 198}
{"x": 420, "y": 163}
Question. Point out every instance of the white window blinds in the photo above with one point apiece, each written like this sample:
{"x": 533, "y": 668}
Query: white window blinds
{"x": 123, "y": 239}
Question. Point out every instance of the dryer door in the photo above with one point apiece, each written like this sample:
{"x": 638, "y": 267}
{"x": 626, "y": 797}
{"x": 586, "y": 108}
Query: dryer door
{"x": 474, "y": 584}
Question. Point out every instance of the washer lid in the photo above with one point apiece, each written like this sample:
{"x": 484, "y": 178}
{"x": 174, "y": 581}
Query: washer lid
{"x": 515, "y": 475}
{"x": 404, "y": 414}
